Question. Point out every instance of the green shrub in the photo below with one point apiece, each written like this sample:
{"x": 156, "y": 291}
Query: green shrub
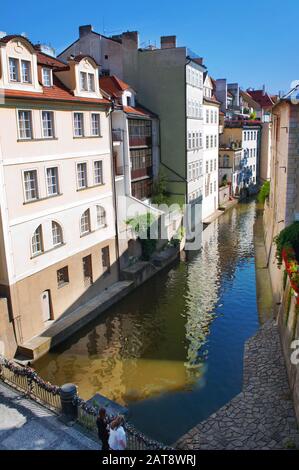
{"x": 264, "y": 192}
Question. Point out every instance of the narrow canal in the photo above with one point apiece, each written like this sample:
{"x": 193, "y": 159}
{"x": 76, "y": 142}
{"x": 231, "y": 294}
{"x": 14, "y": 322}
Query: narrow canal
{"x": 172, "y": 351}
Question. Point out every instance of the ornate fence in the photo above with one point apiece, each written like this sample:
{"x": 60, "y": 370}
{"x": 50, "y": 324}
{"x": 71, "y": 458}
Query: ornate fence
{"x": 26, "y": 379}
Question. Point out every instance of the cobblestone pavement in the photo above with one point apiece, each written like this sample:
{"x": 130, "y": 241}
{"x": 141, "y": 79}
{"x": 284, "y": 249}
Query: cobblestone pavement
{"x": 262, "y": 415}
{"x": 26, "y": 425}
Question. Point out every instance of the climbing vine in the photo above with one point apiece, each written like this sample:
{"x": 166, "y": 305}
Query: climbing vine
{"x": 288, "y": 240}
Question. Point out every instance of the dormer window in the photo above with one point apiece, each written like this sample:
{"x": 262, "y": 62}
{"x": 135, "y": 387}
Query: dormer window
{"x": 26, "y": 71}
{"x": 13, "y": 70}
{"x": 19, "y": 73}
{"x": 128, "y": 100}
{"x": 47, "y": 77}
{"x": 87, "y": 81}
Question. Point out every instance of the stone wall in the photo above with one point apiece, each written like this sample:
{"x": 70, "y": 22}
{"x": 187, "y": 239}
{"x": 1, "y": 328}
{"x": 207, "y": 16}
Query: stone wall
{"x": 288, "y": 322}
{"x": 8, "y": 344}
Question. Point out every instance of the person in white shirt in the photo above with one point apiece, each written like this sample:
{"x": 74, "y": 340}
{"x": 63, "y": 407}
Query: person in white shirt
{"x": 117, "y": 435}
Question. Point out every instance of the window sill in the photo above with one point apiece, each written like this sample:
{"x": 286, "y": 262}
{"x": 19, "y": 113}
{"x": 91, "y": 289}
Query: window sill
{"x": 63, "y": 284}
{"x": 42, "y": 199}
{"x": 48, "y": 251}
{"x": 87, "y": 136}
{"x": 41, "y": 139}
{"x": 90, "y": 187}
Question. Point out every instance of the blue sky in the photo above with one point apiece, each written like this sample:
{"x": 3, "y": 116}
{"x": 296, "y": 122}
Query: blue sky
{"x": 253, "y": 43}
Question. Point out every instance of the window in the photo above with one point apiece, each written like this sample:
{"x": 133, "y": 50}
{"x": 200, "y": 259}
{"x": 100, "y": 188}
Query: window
{"x": 13, "y": 70}
{"x": 91, "y": 86}
{"x": 78, "y": 125}
{"x": 62, "y": 276}
{"x": 200, "y": 140}
{"x": 82, "y": 175}
{"x": 87, "y": 81}
{"x": 47, "y": 77}
{"x": 211, "y": 188}
{"x": 30, "y": 183}
{"x": 193, "y": 139}
{"x": 56, "y": 234}
{"x": 106, "y": 259}
{"x": 25, "y": 124}
{"x": 26, "y": 71}
{"x": 211, "y": 166}
{"x": 190, "y": 172}
{"x": 207, "y": 115}
{"x": 128, "y": 101}
{"x": 98, "y": 172}
{"x": 83, "y": 81}
{"x": 189, "y": 140}
{"x": 48, "y": 124}
{"x": 85, "y": 223}
{"x": 37, "y": 242}
{"x": 215, "y": 164}
{"x": 207, "y": 167}
{"x": 207, "y": 141}
{"x": 215, "y": 140}
{"x": 211, "y": 141}
{"x": 95, "y": 124}
{"x": 87, "y": 270}
{"x": 52, "y": 181}
{"x": 214, "y": 186}
{"x": 101, "y": 216}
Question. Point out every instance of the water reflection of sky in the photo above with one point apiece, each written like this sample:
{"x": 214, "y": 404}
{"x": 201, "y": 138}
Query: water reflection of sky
{"x": 159, "y": 350}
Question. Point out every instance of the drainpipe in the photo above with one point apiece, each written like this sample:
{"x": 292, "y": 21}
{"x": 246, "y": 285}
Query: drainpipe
{"x": 114, "y": 190}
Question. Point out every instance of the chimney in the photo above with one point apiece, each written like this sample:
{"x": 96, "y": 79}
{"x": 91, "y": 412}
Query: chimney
{"x": 84, "y": 30}
{"x": 130, "y": 39}
{"x": 167, "y": 42}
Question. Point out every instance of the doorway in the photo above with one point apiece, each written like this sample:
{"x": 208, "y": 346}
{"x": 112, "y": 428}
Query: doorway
{"x": 46, "y": 305}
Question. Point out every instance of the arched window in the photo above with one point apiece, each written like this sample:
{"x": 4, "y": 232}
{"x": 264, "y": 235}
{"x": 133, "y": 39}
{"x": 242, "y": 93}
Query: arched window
{"x": 37, "y": 241}
{"x": 56, "y": 234}
{"x": 85, "y": 223}
{"x": 101, "y": 216}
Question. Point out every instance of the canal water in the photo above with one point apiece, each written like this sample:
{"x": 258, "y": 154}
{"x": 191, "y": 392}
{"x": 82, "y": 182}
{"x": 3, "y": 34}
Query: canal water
{"x": 172, "y": 351}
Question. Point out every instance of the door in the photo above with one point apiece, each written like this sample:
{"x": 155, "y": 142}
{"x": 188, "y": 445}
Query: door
{"x": 87, "y": 270}
{"x": 46, "y": 305}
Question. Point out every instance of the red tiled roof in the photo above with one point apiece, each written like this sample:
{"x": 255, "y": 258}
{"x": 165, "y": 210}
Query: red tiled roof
{"x": 139, "y": 110}
{"x": 79, "y": 57}
{"x": 261, "y": 97}
{"x": 57, "y": 92}
{"x": 49, "y": 61}
{"x": 9, "y": 37}
{"x": 113, "y": 86}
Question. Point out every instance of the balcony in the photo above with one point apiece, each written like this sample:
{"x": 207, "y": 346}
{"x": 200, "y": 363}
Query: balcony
{"x": 140, "y": 141}
{"x": 117, "y": 135}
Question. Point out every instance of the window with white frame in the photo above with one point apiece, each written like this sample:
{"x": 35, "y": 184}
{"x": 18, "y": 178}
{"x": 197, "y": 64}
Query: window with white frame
{"x": 200, "y": 167}
{"x": 52, "y": 181}
{"x": 207, "y": 141}
{"x": 190, "y": 172}
{"x": 85, "y": 222}
{"x": 37, "y": 241}
{"x": 13, "y": 69}
{"x": 215, "y": 140}
{"x": 87, "y": 81}
{"x": 214, "y": 186}
{"x": 25, "y": 124}
{"x": 30, "y": 185}
{"x": 207, "y": 166}
{"x": 82, "y": 175}
{"x": 26, "y": 71}
{"x": 95, "y": 124}
{"x": 101, "y": 216}
{"x": 211, "y": 166}
{"x": 98, "y": 172}
{"x": 83, "y": 81}
{"x": 90, "y": 82}
{"x": 215, "y": 164}
{"x": 211, "y": 141}
{"x": 189, "y": 140}
{"x": 47, "y": 77}
{"x": 78, "y": 124}
{"x": 48, "y": 124}
{"x": 56, "y": 234}
{"x": 200, "y": 139}
{"x": 193, "y": 171}
{"x": 207, "y": 115}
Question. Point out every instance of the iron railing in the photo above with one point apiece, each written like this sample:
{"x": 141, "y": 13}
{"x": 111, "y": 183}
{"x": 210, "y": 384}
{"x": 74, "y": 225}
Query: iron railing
{"x": 25, "y": 379}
